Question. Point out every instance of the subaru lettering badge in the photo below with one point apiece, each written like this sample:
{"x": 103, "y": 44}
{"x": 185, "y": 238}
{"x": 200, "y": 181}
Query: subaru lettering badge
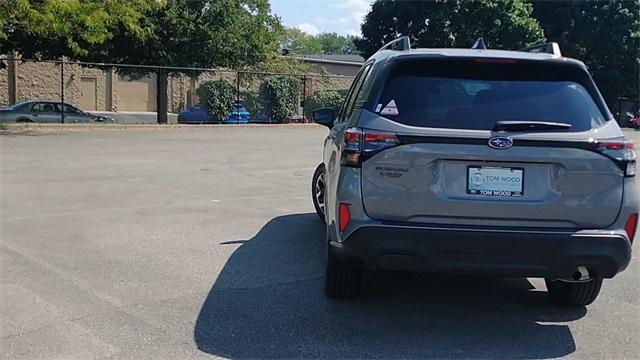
{"x": 500, "y": 142}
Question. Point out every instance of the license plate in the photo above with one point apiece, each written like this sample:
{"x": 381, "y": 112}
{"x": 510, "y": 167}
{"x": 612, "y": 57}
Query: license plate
{"x": 495, "y": 181}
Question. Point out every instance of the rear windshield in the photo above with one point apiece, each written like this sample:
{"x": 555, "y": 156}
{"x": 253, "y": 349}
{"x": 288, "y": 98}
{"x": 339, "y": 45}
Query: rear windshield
{"x": 475, "y": 95}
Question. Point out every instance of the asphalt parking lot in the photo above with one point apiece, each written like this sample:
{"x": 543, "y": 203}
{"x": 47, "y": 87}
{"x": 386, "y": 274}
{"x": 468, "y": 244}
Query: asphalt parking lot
{"x": 189, "y": 243}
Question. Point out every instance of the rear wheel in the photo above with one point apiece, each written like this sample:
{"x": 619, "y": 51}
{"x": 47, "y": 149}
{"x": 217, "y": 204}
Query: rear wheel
{"x": 342, "y": 280}
{"x": 573, "y": 293}
{"x": 317, "y": 191}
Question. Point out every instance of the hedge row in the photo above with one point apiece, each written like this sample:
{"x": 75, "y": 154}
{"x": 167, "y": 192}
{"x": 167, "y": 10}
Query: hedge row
{"x": 277, "y": 98}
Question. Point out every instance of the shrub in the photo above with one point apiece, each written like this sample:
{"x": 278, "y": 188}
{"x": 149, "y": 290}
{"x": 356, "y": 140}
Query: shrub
{"x": 279, "y": 95}
{"x": 216, "y": 98}
{"x": 324, "y": 98}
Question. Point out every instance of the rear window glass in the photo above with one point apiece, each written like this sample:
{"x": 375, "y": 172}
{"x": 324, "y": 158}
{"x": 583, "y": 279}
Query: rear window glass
{"x": 472, "y": 95}
{"x": 21, "y": 106}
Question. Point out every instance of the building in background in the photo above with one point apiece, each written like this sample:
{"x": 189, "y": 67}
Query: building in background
{"x": 347, "y": 65}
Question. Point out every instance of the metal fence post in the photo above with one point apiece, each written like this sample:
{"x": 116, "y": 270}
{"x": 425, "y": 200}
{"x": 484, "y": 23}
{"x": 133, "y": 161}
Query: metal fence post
{"x": 62, "y": 89}
{"x": 304, "y": 94}
{"x": 237, "y": 103}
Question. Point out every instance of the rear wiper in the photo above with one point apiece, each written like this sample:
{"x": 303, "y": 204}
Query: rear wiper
{"x": 529, "y": 126}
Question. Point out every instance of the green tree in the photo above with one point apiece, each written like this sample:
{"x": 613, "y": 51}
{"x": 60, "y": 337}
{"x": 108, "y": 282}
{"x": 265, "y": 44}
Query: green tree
{"x": 299, "y": 43}
{"x": 505, "y": 24}
{"x": 275, "y": 63}
{"x": 603, "y": 34}
{"x": 49, "y": 29}
{"x": 332, "y": 43}
{"x": 197, "y": 33}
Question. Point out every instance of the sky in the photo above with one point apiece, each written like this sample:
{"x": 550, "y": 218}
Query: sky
{"x": 315, "y": 16}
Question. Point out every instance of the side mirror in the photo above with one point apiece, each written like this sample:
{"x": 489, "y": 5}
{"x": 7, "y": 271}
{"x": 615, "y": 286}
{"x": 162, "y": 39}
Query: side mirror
{"x": 324, "y": 116}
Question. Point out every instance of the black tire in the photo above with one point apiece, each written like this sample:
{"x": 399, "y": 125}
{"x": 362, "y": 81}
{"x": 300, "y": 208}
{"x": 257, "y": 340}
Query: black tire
{"x": 573, "y": 293}
{"x": 317, "y": 194}
{"x": 342, "y": 280}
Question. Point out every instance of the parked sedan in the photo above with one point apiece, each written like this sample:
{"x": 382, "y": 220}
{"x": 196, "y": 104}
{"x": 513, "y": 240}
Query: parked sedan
{"x": 193, "y": 115}
{"x": 48, "y": 112}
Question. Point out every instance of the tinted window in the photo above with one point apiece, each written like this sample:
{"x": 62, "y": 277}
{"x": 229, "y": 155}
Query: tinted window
{"x": 356, "y": 91}
{"x": 42, "y": 107}
{"x": 68, "y": 109}
{"x": 469, "y": 95}
{"x": 347, "y": 107}
{"x": 24, "y": 106}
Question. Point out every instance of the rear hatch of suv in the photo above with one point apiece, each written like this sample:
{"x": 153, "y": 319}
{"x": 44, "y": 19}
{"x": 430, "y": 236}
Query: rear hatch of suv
{"x": 491, "y": 142}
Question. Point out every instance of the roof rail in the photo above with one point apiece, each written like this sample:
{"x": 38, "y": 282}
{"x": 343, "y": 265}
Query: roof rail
{"x": 479, "y": 44}
{"x": 400, "y": 44}
{"x": 548, "y": 48}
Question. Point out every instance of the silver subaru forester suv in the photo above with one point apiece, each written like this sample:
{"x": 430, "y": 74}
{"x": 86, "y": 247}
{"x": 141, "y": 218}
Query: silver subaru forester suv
{"x": 476, "y": 161}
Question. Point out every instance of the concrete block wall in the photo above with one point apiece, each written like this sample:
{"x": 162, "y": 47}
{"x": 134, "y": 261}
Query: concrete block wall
{"x": 38, "y": 81}
{"x": 41, "y": 80}
{"x": 4, "y": 87}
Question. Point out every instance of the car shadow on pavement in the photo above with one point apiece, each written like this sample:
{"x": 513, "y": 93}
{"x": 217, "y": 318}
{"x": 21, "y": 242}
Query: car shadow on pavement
{"x": 268, "y": 302}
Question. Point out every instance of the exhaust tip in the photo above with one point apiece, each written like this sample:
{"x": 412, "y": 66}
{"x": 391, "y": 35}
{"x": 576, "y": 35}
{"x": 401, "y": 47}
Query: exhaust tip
{"x": 581, "y": 274}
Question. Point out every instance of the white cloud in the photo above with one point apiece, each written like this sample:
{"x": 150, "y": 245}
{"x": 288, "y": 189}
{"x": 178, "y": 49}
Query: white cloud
{"x": 357, "y": 9}
{"x": 349, "y": 15}
{"x": 308, "y": 28}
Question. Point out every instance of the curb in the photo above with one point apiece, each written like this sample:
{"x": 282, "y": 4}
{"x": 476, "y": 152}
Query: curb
{"x": 88, "y": 127}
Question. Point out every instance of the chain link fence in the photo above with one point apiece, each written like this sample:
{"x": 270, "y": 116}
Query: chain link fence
{"x": 142, "y": 94}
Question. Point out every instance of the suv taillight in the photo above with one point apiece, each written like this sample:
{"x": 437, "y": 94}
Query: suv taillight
{"x": 360, "y": 145}
{"x": 622, "y": 152}
{"x": 630, "y": 226}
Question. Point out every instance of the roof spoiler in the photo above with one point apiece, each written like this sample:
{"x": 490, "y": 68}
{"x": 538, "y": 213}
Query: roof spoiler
{"x": 400, "y": 44}
{"x": 548, "y": 48}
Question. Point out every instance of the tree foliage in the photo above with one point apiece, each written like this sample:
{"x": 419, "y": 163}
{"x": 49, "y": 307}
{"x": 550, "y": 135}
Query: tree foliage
{"x": 334, "y": 44}
{"x": 52, "y": 28}
{"x": 217, "y": 97}
{"x": 279, "y": 95}
{"x": 201, "y": 33}
{"x": 325, "y": 98}
{"x": 300, "y": 43}
{"x": 505, "y": 24}
{"x": 603, "y": 34}
{"x": 274, "y": 63}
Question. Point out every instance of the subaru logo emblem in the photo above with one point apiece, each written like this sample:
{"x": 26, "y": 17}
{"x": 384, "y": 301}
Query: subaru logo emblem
{"x": 500, "y": 142}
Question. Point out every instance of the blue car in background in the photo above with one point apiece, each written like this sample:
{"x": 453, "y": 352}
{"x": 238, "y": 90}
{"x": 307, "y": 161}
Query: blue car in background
{"x": 239, "y": 116}
{"x": 197, "y": 115}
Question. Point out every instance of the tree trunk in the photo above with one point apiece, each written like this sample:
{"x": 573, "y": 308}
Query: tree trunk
{"x": 161, "y": 96}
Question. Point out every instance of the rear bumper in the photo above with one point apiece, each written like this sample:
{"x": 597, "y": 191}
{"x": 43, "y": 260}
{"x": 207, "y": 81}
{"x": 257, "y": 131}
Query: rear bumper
{"x": 482, "y": 251}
